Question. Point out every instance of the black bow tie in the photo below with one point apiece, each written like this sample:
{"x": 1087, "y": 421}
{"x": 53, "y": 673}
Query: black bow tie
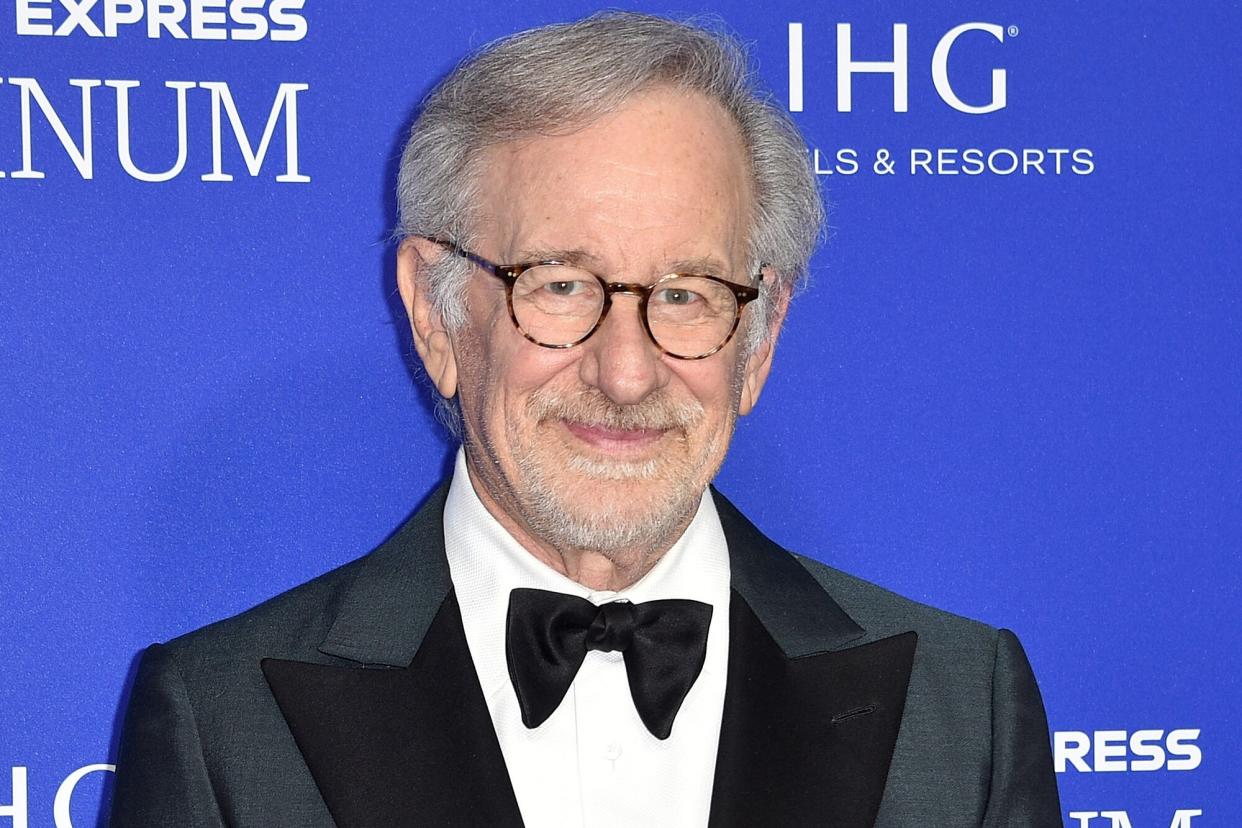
{"x": 548, "y": 635}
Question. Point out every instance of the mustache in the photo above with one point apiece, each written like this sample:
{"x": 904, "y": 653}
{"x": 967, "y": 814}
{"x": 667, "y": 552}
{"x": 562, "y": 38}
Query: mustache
{"x": 592, "y": 407}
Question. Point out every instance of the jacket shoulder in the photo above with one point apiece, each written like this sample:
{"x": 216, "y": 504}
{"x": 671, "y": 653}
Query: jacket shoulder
{"x": 380, "y": 585}
{"x": 883, "y": 612}
{"x": 289, "y": 625}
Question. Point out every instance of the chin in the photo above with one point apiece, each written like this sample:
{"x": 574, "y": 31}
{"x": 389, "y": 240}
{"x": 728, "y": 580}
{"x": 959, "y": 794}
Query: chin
{"x": 632, "y": 534}
{"x": 614, "y": 471}
{"x": 609, "y": 505}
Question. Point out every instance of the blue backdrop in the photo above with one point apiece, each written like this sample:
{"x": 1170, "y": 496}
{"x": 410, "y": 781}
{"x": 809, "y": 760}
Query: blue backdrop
{"x": 1009, "y": 391}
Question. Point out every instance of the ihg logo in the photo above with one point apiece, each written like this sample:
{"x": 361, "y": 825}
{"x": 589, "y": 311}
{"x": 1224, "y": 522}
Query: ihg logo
{"x": 899, "y": 67}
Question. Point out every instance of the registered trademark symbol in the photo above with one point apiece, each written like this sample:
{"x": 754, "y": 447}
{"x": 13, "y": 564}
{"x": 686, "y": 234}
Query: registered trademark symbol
{"x": 1013, "y": 31}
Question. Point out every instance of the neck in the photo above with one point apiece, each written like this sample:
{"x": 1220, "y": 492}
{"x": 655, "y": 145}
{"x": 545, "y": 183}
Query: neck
{"x": 597, "y": 570}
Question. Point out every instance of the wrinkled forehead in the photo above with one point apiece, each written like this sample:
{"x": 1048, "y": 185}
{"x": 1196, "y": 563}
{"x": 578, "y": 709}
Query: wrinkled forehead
{"x": 665, "y": 175}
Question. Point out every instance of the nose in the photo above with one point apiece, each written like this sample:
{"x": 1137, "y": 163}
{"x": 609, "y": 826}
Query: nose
{"x": 620, "y": 359}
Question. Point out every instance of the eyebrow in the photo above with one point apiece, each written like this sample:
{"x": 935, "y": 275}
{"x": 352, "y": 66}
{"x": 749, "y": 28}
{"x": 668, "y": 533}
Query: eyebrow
{"x": 567, "y": 255}
{"x": 698, "y": 265}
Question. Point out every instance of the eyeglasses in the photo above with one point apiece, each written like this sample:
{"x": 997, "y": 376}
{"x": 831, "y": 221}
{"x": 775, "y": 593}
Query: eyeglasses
{"x": 558, "y": 305}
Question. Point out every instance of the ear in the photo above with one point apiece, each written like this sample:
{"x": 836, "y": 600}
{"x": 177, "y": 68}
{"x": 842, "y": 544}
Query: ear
{"x": 431, "y": 339}
{"x": 759, "y": 363}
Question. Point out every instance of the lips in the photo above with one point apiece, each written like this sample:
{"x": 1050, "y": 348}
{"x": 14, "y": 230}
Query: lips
{"x": 610, "y": 439}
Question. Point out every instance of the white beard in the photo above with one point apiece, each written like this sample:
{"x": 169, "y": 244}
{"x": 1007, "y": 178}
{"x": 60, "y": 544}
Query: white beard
{"x": 650, "y": 514}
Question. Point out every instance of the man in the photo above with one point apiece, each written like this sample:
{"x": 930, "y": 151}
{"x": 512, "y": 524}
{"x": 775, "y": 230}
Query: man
{"x": 602, "y": 226}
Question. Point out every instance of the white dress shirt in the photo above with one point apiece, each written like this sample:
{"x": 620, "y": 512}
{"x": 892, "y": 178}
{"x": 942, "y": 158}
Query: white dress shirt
{"x": 593, "y": 764}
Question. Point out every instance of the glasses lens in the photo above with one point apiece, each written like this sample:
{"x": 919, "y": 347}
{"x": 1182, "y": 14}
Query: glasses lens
{"x": 557, "y": 304}
{"x": 690, "y": 316}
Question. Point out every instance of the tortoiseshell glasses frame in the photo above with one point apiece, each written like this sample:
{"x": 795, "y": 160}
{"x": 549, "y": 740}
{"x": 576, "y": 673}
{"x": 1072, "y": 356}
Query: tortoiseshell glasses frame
{"x": 509, "y": 274}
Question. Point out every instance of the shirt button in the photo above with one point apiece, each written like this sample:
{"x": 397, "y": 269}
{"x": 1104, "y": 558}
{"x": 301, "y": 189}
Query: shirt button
{"x": 613, "y": 752}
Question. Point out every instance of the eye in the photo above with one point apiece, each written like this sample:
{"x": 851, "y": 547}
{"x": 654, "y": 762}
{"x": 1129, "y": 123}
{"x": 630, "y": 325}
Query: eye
{"x": 677, "y": 296}
{"x": 564, "y": 288}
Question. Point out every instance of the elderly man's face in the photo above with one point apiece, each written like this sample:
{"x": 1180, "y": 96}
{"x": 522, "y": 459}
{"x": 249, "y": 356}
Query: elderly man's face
{"x": 607, "y": 445}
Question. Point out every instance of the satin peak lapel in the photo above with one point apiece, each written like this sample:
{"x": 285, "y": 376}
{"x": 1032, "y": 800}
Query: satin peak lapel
{"x": 400, "y": 746}
{"x": 402, "y": 736}
{"x": 811, "y": 715}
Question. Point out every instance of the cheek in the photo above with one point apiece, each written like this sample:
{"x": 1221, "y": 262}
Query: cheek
{"x": 509, "y": 371}
{"x": 716, "y": 386}
{"x": 481, "y": 372}
{"x": 483, "y": 350}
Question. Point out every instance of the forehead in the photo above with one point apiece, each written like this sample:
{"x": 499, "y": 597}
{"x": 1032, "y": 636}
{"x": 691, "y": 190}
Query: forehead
{"x": 666, "y": 175}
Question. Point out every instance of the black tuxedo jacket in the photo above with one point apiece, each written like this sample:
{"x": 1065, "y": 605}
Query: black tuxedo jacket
{"x": 352, "y": 701}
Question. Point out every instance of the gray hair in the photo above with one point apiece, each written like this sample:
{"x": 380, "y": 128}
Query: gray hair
{"x": 559, "y": 78}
